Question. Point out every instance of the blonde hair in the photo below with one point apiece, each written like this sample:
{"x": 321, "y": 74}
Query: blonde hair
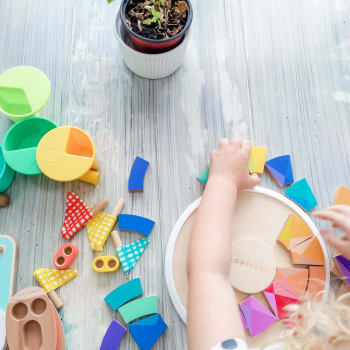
{"x": 315, "y": 325}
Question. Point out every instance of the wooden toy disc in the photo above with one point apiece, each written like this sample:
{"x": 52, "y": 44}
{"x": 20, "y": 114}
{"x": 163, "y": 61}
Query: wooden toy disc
{"x": 253, "y": 266}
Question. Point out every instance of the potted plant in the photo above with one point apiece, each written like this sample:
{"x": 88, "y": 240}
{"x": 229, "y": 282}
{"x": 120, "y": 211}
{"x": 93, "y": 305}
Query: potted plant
{"x": 153, "y": 35}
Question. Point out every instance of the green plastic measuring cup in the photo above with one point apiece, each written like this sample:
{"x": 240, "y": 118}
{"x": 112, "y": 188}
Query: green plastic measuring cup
{"x": 24, "y": 91}
{"x": 21, "y": 141}
{"x": 6, "y": 173}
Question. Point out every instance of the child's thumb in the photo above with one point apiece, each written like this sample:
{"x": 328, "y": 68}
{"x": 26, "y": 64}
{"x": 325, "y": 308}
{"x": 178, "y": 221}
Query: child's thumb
{"x": 254, "y": 180}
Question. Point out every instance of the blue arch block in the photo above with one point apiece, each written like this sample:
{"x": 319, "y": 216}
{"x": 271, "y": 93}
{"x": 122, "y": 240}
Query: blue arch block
{"x": 137, "y": 174}
{"x": 135, "y": 223}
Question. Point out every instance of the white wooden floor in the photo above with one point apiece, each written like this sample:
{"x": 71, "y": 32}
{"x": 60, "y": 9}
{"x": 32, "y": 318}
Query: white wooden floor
{"x": 275, "y": 71}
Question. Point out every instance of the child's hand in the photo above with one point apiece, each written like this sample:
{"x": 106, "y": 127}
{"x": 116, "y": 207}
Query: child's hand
{"x": 230, "y": 162}
{"x": 339, "y": 216}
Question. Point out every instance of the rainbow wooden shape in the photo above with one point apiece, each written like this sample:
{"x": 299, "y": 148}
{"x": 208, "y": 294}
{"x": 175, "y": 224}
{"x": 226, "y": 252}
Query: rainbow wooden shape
{"x": 317, "y": 282}
{"x": 113, "y": 336}
{"x": 129, "y": 255}
{"x": 137, "y": 174}
{"x": 204, "y": 176}
{"x": 278, "y": 295}
{"x": 139, "y": 308}
{"x": 296, "y": 278}
{"x": 98, "y": 230}
{"x": 281, "y": 170}
{"x": 343, "y": 267}
{"x": 147, "y": 331}
{"x": 308, "y": 253}
{"x": 105, "y": 264}
{"x": 342, "y": 196}
{"x": 135, "y": 223}
{"x": 258, "y": 318}
{"x": 301, "y": 193}
{"x": 257, "y": 159}
{"x": 77, "y": 215}
{"x": 31, "y": 322}
{"x": 65, "y": 256}
{"x": 294, "y": 232}
{"x": 124, "y": 293}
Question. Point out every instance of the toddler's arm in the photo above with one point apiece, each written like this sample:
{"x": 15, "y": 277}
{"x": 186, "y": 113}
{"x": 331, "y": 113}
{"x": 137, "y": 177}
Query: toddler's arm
{"x": 213, "y": 314}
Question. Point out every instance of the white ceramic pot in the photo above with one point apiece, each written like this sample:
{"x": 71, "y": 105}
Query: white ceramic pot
{"x": 150, "y": 66}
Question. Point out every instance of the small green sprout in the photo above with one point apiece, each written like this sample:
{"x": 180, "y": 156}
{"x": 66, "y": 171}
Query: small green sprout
{"x": 156, "y": 17}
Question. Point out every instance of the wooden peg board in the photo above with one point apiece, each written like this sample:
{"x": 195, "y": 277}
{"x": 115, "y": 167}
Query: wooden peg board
{"x": 260, "y": 214}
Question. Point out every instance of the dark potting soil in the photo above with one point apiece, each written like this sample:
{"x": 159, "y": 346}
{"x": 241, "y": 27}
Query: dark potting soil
{"x": 156, "y": 19}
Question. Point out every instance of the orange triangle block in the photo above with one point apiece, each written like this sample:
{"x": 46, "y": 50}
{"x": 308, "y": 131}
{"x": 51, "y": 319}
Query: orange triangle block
{"x": 317, "y": 281}
{"x": 308, "y": 253}
{"x": 296, "y": 278}
{"x": 343, "y": 196}
{"x": 294, "y": 232}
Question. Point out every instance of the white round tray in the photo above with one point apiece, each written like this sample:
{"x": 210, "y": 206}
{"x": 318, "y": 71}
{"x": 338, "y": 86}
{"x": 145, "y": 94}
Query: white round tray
{"x": 284, "y": 201}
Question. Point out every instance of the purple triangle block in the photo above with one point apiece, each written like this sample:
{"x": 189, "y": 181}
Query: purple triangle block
{"x": 257, "y": 316}
{"x": 244, "y": 322}
{"x": 270, "y": 297}
{"x": 344, "y": 265}
{"x": 278, "y": 176}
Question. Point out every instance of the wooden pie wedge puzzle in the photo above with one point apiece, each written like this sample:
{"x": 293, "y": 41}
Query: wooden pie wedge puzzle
{"x": 294, "y": 232}
{"x": 77, "y": 215}
{"x": 295, "y": 278}
{"x": 343, "y": 196}
{"x": 308, "y": 253}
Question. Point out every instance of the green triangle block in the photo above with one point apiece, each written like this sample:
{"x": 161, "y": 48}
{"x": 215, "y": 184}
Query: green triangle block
{"x": 203, "y": 176}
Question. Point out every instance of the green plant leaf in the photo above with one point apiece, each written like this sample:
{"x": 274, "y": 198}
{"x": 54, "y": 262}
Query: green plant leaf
{"x": 109, "y": 1}
{"x": 161, "y": 1}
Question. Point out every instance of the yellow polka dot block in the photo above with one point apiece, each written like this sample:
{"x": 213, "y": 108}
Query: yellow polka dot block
{"x": 50, "y": 279}
{"x": 98, "y": 230}
{"x": 257, "y": 159}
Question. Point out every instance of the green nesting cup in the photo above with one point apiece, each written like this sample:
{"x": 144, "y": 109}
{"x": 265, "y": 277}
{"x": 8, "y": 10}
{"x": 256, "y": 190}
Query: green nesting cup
{"x": 21, "y": 141}
{"x": 24, "y": 91}
{"x": 6, "y": 174}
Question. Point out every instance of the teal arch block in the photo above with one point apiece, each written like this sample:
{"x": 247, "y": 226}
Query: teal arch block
{"x": 139, "y": 308}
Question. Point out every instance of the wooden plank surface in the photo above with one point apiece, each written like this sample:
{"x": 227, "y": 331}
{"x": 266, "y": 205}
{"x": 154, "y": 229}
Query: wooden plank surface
{"x": 275, "y": 71}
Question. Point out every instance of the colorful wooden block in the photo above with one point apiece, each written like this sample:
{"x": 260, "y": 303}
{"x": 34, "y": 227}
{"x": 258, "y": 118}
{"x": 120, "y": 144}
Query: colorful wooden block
{"x": 257, "y": 159}
{"x": 308, "y": 253}
{"x": 130, "y": 254}
{"x": 258, "y": 318}
{"x": 77, "y": 215}
{"x": 301, "y": 193}
{"x": 137, "y": 174}
{"x": 204, "y": 176}
{"x": 98, "y": 230}
{"x": 343, "y": 196}
{"x": 139, "y": 308}
{"x": 317, "y": 282}
{"x": 281, "y": 170}
{"x": 124, "y": 293}
{"x": 244, "y": 322}
{"x": 147, "y": 331}
{"x": 113, "y": 336}
{"x": 294, "y": 232}
{"x": 65, "y": 256}
{"x": 343, "y": 266}
{"x": 135, "y": 223}
{"x": 50, "y": 279}
{"x": 296, "y": 278}
{"x": 30, "y": 321}
{"x": 278, "y": 295}
{"x": 102, "y": 264}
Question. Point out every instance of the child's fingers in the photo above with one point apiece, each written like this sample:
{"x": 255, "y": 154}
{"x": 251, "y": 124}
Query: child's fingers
{"x": 341, "y": 209}
{"x": 338, "y": 220}
{"x": 223, "y": 142}
{"x": 342, "y": 246}
{"x": 247, "y": 147}
{"x": 237, "y": 141}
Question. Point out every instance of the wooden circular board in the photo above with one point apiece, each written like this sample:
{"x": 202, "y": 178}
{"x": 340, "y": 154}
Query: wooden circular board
{"x": 260, "y": 214}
